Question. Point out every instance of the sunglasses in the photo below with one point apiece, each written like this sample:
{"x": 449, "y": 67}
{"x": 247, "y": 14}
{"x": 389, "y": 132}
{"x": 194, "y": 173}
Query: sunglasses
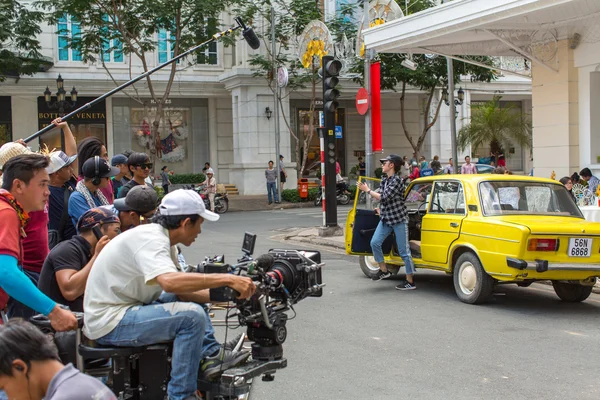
{"x": 144, "y": 166}
{"x": 384, "y": 161}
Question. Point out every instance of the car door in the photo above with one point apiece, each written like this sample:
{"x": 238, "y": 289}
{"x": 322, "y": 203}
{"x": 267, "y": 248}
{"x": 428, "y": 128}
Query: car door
{"x": 361, "y": 224}
{"x": 442, "y": 223}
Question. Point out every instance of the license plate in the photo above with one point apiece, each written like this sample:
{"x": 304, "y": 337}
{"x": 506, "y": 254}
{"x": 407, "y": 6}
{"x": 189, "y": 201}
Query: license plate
{"x": 580, "y": 247}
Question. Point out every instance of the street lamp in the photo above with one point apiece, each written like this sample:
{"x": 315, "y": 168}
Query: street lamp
{"x": 268, "y": 112}
{"x": 61, "y": 102}
{"x": 458, "y": 101}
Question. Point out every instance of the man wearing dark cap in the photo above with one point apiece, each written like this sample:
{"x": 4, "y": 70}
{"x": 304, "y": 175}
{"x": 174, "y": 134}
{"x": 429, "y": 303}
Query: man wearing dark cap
{"x": 96, "y": 175}
{"x": 138, "y": 206}
{"x": 394, "y": 218}
{"x": 119, "y": 161}
{"x": 68, "y": 265}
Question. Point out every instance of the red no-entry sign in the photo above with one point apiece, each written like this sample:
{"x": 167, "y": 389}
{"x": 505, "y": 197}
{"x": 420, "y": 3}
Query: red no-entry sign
{"x": 362, "y": 101}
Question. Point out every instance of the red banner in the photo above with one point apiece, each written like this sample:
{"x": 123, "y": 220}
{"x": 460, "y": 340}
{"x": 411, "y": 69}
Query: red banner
{"x": 376, "y": 141}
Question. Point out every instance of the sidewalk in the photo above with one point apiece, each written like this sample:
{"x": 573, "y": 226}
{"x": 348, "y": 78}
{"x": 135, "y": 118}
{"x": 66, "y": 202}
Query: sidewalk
{"x": 259, "y": 202}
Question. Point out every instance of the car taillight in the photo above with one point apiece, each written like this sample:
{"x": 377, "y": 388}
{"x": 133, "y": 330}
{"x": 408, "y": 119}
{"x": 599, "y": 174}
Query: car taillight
{"x": 543, "y": 244}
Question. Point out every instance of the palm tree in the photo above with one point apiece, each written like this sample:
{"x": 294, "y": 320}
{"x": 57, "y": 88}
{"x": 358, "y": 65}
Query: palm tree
{"x": 496, "y": 125}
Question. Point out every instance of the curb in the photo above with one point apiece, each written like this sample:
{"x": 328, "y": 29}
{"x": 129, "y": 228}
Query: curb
{"x": 317, "y": 241}
{"x": 265, "y": 207}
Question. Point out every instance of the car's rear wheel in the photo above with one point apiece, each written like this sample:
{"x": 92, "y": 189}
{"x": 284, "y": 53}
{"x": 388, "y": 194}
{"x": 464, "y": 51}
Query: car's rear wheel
{"x": 571, "y": 292}
{"x": 472, "y": 284}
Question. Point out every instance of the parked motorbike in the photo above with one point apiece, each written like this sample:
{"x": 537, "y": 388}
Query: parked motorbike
{"x": 340, "y": 193}
{"x": 221, "y": 199}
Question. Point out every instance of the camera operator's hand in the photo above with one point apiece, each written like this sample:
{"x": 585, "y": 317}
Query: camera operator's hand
{"x": 62, "y": 320}
{"x": 243, "y": 285}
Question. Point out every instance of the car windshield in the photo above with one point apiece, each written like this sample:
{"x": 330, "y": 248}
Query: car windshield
{"x": 526, "y": 198}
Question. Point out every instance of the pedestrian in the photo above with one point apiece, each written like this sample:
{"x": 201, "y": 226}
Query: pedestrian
{"x": 139, "y": 166}
{"x": 282, "y": 172}
{"x": 211, "y": 187}
{"x": 467, "y": 167}
{"x": 89, "y": 148}
{"x": 423, "y": 164}
{"x": 591, "y": 180}
{"x": 62, "y": 185}
{"x": 568, "y": 185}
{"x": 414, "y": 172}
{"x": 68, "y": 265}
{"x": 24, "y": 189}
{"x": 119, "y": 161}
{"x": 31, "y": 365}
{"x": 362, "y": 167}
{"x": 164, "y": 176}
{"x": 96, "y": 175}
{"x": 206, "y": 166}
{"x": 435, "y": 164}
{"x": 271, "y": 176}
{"x": 449, "y": 169}
{"x": 394, "y": 218}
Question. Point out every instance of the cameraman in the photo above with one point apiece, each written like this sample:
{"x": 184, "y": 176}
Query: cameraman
{"x": 30, "y": 368}
{"x": 136, "y": 295}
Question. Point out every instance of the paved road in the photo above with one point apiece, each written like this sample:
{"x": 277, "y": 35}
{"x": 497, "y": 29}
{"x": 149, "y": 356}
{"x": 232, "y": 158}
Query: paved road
{"x": 366, "y": 340}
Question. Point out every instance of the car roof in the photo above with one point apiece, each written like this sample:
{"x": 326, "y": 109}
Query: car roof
{"x": 475, "y": 178}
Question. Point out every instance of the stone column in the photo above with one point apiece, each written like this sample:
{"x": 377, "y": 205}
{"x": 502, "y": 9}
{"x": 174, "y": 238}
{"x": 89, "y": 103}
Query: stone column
{"x": 555, "y": 120}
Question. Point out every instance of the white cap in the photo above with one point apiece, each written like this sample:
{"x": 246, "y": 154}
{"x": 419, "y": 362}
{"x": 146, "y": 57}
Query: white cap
{"x": 210, "y": 171}
{"x": 59, "y": 159}
{"x": 185, "y": 202}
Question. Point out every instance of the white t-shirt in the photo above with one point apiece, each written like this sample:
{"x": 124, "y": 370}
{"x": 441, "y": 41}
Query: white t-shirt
{"x": 124, "y": 276}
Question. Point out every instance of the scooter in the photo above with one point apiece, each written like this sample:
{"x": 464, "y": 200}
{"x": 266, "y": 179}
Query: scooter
{"x": 221, "y": 199}
{"x": 340, "y": 193}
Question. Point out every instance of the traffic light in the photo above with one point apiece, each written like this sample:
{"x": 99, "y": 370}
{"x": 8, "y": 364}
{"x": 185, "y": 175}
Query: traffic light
{"x": 331, "y": 70}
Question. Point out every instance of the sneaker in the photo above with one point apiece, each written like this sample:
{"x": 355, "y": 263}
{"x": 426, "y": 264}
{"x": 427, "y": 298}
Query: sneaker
{"x": 232, "y": 343}
{"x": 212, "y": 367}
{"x": 270, "y": 202}
{"x": 381, "y": 275}
{"x": 406, "y": 285}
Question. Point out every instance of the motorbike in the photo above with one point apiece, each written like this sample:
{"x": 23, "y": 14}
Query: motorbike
{"x": 221, "y": 199}
{"x": 340, "y": 193}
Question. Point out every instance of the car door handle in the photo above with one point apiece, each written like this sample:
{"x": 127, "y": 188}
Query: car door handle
{"x": 454, "y": 224}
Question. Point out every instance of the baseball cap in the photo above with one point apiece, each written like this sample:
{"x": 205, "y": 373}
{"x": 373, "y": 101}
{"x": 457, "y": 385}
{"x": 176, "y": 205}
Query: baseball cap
{"x": 10, "y": 150}
{"x": 141, "y": 199}
{"x": 185, "y": 202}
{"x": 210, "y": 171}
{"x": 394, "y": 158}
{"x": 97, "y": 216}
{"x": 118, "y": 159}
{"x": 58, "y": 160}
{"x": 88, "y": 170}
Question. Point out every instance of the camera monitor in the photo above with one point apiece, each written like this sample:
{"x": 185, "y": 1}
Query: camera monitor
{"x": 249, "y": 242}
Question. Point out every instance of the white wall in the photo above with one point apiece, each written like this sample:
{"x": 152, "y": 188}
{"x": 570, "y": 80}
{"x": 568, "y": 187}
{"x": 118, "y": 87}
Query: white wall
{"x": 24, "y": 118}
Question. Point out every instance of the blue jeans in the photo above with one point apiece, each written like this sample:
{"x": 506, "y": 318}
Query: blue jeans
{"x": 186, "y": 324}
{"x": 401, "y": 232}
{"x": 20, "y": 310}
{"x": 272, "y": 188}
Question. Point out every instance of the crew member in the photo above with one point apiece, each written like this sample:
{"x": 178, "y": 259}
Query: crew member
{"x": 25, "y": 189}
{"x": 125, "y": 304}
{"x": 138, "y": 206}
{"x": 394, "y": 217}
{"x": 62, "y": 185}
{"x": 139, "y": 166}
{"x": 68, "y": 265}
{"x": 31, "y": 368}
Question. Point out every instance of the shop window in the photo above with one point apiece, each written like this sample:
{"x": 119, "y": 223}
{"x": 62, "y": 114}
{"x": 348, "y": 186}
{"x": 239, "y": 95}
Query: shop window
{"x": 69, "y": 30}
{"x": 166, "y": 46}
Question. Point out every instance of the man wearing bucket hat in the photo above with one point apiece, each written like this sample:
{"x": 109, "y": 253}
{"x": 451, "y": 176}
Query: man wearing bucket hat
{"x": 211, "y": 187}
{"x": 394, "y": 218}
{"x": 62, "y": 185}
{"x": 136, "y": 294}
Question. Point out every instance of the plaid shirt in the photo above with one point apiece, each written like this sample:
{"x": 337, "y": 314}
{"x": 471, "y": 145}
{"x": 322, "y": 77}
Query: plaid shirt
{"x": 393, "y": 209}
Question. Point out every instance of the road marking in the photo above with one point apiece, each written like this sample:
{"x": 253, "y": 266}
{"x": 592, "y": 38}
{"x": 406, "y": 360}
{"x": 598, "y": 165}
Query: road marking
{"x": 575, "y": 333}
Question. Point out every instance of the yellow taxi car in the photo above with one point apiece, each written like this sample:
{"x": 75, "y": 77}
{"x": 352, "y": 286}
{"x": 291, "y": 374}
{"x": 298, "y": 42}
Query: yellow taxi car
{"x": 489, "y": 229}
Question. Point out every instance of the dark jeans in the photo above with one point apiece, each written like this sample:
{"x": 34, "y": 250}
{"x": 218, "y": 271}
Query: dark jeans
{"x": 20, "y": 310}
{"x": 166, "y": 188}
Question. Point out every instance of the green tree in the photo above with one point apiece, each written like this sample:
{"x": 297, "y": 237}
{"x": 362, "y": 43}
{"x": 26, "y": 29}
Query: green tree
{"x": 430, "y": 76}
{"x": 495, "y": 124}
{"x": 19, "y": 46}
{"x": 129, "y": 27}
{"x": 291, "y": 17}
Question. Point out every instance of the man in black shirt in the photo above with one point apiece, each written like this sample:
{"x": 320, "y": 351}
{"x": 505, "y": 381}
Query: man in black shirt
{"x": 62, "y": 184}
{"x": 140, "y": 166}
{"x": 68, "y": 265}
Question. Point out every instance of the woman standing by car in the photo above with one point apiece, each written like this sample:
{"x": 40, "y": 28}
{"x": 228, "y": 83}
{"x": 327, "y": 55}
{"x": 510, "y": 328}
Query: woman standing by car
{"x": 394, "y": 217}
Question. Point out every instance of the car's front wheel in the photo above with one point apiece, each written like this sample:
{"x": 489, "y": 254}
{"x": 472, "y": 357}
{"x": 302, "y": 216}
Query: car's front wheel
{"x": 472, "y": 284}
{"x": 571, "y": 292}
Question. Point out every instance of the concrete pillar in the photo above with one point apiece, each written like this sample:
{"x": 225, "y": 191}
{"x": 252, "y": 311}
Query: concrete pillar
{"x": 556, "y": 116}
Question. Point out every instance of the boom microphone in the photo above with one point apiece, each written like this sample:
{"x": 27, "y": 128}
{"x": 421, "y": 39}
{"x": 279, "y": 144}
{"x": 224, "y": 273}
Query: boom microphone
{"x": 248, "y": 34}
{"x": 265, "y": 261}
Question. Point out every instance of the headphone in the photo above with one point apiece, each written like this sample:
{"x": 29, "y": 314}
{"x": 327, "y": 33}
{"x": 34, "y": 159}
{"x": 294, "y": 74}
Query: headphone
{"x": 96, "y": 178}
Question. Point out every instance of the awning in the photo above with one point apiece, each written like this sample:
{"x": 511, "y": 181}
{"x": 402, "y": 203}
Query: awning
{"x": 528, "y": 28}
